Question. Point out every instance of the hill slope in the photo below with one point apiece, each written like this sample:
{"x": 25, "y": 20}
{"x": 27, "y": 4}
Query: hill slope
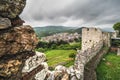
{"x": 49, "y": 30}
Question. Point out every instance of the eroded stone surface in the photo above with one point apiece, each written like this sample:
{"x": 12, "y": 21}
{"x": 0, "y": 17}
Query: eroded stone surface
{"x": 17, "y": 39}
{"x": 42, "y": 74}
{"x": 11, "y": 8}
{"x": 34, "y": 61}
{"x": 5, "y": 23}
{"x": 11, "y": 66}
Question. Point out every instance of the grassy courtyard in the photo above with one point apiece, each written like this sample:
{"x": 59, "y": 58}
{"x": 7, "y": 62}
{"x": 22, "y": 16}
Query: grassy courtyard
{"x": 60, "y": 53}
{"x": 109, "y": 68}
{"x": 62, "y": 57}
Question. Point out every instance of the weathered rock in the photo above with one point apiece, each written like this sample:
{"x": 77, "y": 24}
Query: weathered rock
{"x": 16, "y": 45}
{"x": 17, "y": 21}
{"x": 11, "y": 8}
{"x": 65, "y": 77}
{"x": 11, "y": 66}
{"x": 34, "y": 61}
{"x": 61, "y": 68}
{"x": 5, "y": 23}
{"x": 42, "y": 74}
{"x": 17, "y": 39}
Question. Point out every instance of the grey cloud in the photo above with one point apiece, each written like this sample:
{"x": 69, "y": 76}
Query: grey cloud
{"x": 98, "y": 12}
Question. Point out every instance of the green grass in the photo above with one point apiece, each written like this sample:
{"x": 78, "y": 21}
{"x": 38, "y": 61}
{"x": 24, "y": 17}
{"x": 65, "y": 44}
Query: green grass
{"x": 56, "y": 57}
{"x": 109, "y": 69}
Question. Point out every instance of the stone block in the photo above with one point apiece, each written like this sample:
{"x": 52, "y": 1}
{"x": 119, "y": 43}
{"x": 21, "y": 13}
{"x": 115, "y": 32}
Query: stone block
{"x": 118, "y": 52}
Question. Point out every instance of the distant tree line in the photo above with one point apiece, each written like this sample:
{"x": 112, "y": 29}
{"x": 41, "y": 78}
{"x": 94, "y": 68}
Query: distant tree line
{"x": 44, "y": 46}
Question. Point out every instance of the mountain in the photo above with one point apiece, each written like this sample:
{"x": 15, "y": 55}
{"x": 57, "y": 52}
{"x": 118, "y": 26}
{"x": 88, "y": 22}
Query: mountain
{"x": 49, "y": 30}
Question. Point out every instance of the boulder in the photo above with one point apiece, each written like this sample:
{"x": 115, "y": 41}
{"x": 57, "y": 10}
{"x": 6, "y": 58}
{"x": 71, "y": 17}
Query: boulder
{"x": 17, "y": 40}
{"x": 11, "y": 8}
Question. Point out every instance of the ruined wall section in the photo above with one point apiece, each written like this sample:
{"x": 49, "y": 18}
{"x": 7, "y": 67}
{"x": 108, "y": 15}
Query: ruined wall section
{"x": 106, "y": 38}
{"x": 93, "y": 40}
{"x": 90, "y": 37}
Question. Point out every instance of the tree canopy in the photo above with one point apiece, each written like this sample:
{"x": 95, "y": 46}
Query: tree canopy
{"x": 116, "y": 26}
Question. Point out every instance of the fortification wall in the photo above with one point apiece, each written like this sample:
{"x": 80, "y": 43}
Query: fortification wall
{"x": 93, "y": 40}
{"x": 90, "y": 37}
{"x": 106, "y": 38}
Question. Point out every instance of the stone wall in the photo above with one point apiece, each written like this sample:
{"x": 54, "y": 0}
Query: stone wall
{"x": 32, "y": 63}
{"x": 93, "y": 40}
{"x": 90, "y": 37}
{"x": 118, "y": 52}
{"x": 106, "y": 39}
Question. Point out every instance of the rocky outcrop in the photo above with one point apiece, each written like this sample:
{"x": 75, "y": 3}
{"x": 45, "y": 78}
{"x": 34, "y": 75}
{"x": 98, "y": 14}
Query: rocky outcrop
{"x": 33, "y": 69}
{"x": 11, "y": 66}
{"x": 16, "y": 45}
{"x": 17, "y": 39}
{"x": 33, "y": 62}
{"x": 17, "y": 42}
{"x": 11, "y": 9}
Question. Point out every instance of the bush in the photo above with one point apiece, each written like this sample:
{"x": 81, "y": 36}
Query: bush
{"x": 41, "y": 49}
{"x": 72, "y": 55}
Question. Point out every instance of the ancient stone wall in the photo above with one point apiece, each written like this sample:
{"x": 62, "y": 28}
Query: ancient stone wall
{"x": 93, "y": 40}
{"x": 106, "y": 38}
{"x": 118, "y": 52}
{"x": 90, "y": 37}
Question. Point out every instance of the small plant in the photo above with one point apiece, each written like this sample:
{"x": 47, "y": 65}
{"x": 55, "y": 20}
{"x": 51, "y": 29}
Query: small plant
{"x": 72, "y": 55}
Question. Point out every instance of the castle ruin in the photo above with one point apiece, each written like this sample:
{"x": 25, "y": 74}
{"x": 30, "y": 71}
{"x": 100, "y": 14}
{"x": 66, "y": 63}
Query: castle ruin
{"x": 93, "y": 40}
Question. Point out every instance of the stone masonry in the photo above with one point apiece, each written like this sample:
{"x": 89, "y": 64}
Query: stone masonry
{"x": 93, "y": 40}
{"x": 118, "y": 52}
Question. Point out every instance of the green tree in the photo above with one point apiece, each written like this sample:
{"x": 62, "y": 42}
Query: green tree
{"x": 116, "y": 26}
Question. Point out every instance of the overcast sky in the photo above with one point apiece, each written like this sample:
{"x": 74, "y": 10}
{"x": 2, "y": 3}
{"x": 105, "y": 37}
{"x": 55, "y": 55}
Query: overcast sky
{"x": 98, "y": 13}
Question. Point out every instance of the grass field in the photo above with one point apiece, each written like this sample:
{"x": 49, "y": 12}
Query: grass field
{"x": 56, "y": 57}
{"x": 109, "y": 68}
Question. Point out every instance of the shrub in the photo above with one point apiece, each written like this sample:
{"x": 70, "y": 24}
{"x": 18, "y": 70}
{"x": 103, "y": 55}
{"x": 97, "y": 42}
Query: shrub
{"x": 72, "y": 55}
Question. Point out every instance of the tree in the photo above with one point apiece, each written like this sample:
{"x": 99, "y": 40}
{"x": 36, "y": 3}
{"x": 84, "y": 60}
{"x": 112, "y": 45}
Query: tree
{"x": 116, "y": 26}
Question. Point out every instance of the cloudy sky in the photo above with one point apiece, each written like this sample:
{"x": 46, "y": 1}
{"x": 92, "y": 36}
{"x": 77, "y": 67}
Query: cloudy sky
{"x": 98, "y": 13}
